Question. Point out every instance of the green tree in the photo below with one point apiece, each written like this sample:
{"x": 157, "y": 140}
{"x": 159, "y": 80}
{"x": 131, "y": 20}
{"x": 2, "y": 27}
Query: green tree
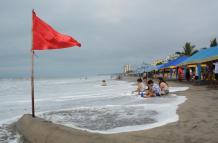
{"x": 213, "y": 43}
{"x": 204, "y": 48}
{"x": 159, "y": 63}
{"x": 188, "y": 50}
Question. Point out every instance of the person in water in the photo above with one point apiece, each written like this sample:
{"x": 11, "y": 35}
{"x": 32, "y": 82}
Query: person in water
{"x": 163, "y": 86}
{"x": 140, "y": 86}
{"x": 153, "y": 89}
{"x": 103, "y": 83}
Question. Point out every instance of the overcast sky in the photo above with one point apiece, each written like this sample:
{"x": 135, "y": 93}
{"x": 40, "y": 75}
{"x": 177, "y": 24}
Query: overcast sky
{"x": 112, "y": 33}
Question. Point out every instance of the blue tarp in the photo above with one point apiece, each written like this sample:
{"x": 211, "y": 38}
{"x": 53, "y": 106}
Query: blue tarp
{"x": 159, "y": 67}
{"x": 172, "y": 63}
{"x": 202, "y": 56}
{"x": 176, "y": 61}
{"x": 152, "y": 68}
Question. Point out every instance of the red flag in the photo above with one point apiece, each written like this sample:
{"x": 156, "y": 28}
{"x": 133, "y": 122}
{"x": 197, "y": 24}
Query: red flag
{"x": 45, "y": 37}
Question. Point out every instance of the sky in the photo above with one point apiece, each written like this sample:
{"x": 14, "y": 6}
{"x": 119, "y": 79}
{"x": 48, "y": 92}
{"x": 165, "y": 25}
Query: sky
{"x": 112, "y": 33}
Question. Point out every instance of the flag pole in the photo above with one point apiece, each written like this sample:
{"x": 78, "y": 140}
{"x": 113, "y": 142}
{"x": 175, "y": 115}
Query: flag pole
{"x": 32, "y": 85}
{"x": 32, "y": 76}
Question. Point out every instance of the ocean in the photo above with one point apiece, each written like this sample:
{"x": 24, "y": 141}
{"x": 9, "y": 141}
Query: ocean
{"x": 84, "y": 104}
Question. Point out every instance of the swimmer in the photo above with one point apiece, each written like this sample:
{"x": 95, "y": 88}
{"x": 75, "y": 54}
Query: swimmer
{"x": 103, "y": 83}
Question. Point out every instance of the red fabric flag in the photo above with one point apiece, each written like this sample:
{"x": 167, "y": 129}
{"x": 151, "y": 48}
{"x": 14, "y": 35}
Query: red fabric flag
{"x": 46, "y": 38}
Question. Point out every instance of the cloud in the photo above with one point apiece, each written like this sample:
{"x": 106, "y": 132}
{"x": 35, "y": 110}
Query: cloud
{"x": 112, "y": 33}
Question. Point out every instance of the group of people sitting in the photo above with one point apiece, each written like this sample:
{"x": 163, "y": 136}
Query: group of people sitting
{"x": 147, "y": 88}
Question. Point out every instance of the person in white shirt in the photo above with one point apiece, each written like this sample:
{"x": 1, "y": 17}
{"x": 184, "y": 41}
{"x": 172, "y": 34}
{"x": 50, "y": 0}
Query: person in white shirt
{"x": 196, "y": 73}
{"x": 140, "y": 86}
{"x": 216, "y": 72}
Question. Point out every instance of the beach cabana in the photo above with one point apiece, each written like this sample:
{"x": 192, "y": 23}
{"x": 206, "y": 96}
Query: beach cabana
{"x": 173, "y": 64}
{"x": 158, "y": 67}
{"x": 176, "y": 62}
{"x": 203, "y": 56}
{"x": 170, "y": 64}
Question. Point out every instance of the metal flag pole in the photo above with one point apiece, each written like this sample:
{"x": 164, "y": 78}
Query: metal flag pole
{"x": 32, "y": 84}
{"x": 32, "y": 73}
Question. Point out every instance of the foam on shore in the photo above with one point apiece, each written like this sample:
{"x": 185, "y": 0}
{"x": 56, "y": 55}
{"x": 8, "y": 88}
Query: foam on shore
{"x": 109, "y": 119}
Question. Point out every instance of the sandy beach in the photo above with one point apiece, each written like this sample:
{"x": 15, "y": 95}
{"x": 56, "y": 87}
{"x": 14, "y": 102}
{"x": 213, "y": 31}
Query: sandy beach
{"x": 198, "y": 123}
{"x": 94, "y": 71}
{"x": 198, "y": 120}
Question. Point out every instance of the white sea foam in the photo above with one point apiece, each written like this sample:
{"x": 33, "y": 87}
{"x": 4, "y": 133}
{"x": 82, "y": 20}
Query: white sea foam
{"x": 176, "y": 89}
{"x": 113, "y": 105}
{"x": 125, "y": 117}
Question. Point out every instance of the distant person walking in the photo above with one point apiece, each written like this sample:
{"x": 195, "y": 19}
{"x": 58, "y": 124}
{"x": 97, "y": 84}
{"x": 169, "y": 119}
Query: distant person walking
{"x": 196, "y": 73}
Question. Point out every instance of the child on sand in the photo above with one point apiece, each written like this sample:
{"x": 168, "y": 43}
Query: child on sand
{"x": 153, "y": 89}
{"x": 140, "y": 86}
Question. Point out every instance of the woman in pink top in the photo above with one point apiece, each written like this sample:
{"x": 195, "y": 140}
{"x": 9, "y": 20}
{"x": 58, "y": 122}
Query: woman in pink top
{"x": 163, "y": 86}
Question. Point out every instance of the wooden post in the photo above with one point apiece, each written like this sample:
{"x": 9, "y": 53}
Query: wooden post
{"x": 32, "y": 85}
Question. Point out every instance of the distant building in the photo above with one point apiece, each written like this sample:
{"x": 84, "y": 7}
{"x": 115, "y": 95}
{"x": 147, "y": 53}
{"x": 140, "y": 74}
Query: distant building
{"x": 127, "y": 68}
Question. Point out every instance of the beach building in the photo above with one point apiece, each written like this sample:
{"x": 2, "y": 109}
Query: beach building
{"x": 127, "y": 68}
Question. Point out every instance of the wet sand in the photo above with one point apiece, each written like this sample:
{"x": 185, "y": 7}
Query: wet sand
{"x": 198, "y": 123}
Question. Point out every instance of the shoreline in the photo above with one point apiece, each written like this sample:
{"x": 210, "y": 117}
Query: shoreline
{"x": 198, "y": 122}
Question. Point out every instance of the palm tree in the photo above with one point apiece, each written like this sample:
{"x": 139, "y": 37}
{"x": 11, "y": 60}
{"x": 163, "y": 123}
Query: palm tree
{"x": 204, "y": 48}
{"x": 213, "y": 43}
{"x": 159, "y": 63}
{"x": 188, "y": 50}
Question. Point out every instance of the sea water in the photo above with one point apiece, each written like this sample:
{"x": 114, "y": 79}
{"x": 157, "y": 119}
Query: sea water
{"x": 84, "y": 104}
